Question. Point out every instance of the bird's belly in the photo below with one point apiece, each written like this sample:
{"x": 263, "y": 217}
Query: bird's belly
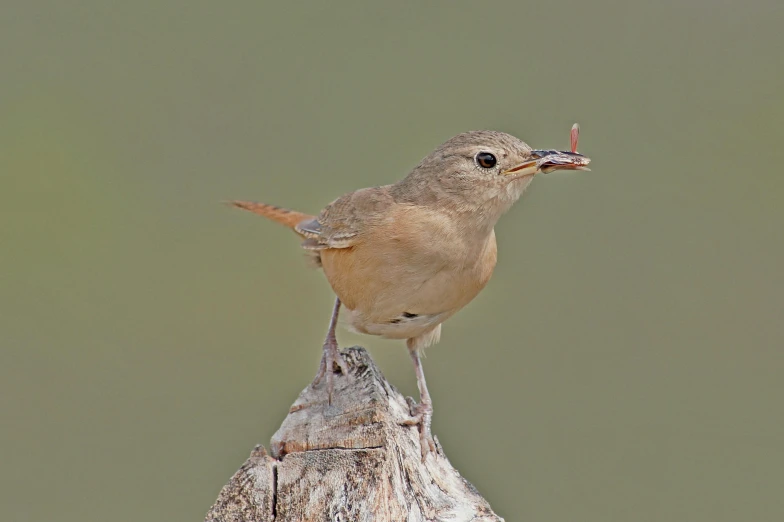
{"x": 402, "y": 327}
{"x": 401, "y": 293}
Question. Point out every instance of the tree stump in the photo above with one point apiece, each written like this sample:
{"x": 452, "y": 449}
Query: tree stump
{"x": 349, "y": 461}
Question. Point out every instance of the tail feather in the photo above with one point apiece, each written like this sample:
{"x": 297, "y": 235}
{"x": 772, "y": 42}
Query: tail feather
{"x": 284, "y": 216}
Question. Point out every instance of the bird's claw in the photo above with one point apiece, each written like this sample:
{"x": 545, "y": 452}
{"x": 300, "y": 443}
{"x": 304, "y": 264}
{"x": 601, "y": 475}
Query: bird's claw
{"x": 422, "y": 416}
{"x": 332, "y": 362}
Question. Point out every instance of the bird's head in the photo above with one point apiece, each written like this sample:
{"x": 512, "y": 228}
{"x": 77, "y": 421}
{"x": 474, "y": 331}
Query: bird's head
{"x": 483, "y": 172}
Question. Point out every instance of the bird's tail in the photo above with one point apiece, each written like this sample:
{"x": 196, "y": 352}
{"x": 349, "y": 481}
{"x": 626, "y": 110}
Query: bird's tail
{"x": 284, "y": 216}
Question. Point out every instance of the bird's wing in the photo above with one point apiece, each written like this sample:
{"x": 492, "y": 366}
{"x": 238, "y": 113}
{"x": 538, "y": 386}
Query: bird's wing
{"x": 342, "y": 222}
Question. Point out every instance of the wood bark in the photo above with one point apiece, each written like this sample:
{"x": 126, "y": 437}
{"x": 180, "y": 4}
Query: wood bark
{"x": 352, "y": 460}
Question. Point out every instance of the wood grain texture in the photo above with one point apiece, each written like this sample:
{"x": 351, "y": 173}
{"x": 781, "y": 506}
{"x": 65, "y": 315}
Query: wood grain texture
{"x": 351, "y": 461}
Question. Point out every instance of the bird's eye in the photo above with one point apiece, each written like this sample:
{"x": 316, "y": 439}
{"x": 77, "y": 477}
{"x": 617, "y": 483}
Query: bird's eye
{"x": 485, "y": 160}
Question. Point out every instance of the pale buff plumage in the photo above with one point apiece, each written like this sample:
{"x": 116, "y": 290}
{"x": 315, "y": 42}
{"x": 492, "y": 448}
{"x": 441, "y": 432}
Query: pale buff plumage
{"x": 403, "y": 258}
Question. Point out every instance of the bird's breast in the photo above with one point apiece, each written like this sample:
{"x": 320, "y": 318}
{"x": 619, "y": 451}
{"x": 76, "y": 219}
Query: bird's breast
{"x": 409, "y": 272}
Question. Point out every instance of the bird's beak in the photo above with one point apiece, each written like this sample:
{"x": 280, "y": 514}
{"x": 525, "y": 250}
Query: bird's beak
{"x": 548, "y": 161}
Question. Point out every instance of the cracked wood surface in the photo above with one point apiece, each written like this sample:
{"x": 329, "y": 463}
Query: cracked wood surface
{"x": 351, "y": 461}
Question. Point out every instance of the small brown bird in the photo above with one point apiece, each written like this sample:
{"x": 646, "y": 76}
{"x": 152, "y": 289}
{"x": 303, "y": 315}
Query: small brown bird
{"x": 404, "y": 258}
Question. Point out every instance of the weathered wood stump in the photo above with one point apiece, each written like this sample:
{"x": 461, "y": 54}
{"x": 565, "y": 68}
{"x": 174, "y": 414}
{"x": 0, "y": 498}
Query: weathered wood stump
{"x": 349, "y": 461}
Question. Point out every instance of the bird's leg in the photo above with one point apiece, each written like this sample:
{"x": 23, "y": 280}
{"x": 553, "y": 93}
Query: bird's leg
{"x": 422, "y": 414}
{"x": 331, "y": 358}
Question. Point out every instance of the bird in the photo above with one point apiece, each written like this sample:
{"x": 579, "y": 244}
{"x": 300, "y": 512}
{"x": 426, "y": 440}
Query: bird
{"x": 403, "y": 258}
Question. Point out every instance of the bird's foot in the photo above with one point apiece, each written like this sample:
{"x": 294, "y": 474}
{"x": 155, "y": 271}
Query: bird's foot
{"x": 422, "y": 416}
{"x": 332, "y": 362}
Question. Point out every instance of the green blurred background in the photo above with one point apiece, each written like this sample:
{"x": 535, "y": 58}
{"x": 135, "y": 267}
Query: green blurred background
{"x": 625, "y": 362}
